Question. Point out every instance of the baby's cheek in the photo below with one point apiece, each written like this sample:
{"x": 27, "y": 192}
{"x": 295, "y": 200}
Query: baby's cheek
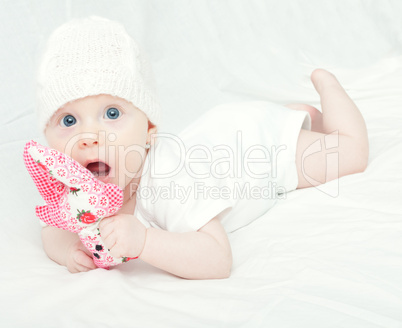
{"x": 133, "y": 161}
{"x": 56, "y": 143}
{"x": 128, "y": 163}
{"x": 51, "y": 138}
{"x": 63, "y": 141}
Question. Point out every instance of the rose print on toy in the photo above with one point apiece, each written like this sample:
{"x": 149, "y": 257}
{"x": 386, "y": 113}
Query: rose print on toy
{"x": 74, "y": 190}
{"x": 86, "y": 217}
{"x": 43, "y": 167}
{"x": 75, "y": 199}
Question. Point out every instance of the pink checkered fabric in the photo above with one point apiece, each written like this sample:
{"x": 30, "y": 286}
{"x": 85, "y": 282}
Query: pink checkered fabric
{"x": 75, "y": 200}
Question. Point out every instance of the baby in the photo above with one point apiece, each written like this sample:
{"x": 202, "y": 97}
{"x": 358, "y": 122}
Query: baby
{"x": 97, "y": 104}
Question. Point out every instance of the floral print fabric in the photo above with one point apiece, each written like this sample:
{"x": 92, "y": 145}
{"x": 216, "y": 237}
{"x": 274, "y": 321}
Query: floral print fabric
{"x": 75, "y": 200}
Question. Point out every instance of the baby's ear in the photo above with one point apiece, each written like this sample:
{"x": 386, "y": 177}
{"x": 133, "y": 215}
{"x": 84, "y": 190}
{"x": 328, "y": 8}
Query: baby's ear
{"x": 152, "y": 129}
{"x": 151, "y": 125}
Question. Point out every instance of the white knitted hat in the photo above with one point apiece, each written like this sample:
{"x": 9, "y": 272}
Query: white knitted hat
{"x": 93, "y": 56}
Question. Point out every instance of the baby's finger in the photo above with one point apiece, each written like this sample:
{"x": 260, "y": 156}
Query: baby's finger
{"x": 87, "y": 251}
{"x": 81, "y": 268}
{"x": 115, "y": 251}
{"x": 90, "y": 255}
{"x": 106, "y": 228}
{"x": 76, "y": 268}
{"x": 109, "y": 241}
{"x": 105, "y": 222}
{"x": 84, "y": 261}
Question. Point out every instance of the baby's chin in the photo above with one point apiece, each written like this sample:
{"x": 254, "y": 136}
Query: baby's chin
{"x": 112, "y": 180}
{"x": 130, "y": 185}
{"x": 104, "y": 179}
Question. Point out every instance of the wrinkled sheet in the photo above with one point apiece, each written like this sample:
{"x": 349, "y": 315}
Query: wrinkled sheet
{"x": 324, "y": 257}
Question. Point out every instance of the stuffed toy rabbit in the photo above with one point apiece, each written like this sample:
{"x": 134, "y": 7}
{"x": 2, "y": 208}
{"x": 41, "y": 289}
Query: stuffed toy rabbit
{"x": 75, "y": 200}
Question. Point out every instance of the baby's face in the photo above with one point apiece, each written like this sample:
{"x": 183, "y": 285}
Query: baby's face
{"x": 105, "y": 134}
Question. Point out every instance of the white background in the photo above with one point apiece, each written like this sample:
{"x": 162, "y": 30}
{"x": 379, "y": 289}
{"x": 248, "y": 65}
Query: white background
{"x": 314, "y": 260}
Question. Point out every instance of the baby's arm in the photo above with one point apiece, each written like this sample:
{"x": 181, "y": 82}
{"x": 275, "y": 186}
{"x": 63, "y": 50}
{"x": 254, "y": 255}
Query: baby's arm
{"x": 202, "y": 254}
{"x": 65, "y": 248}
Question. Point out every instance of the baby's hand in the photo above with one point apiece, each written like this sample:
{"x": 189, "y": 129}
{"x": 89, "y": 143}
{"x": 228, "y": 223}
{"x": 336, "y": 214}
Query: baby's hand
{"x": 79, "y": 259}
{"x": 124, "y": 235}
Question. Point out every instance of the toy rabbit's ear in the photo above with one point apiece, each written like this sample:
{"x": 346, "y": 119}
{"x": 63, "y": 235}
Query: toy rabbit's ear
{"x": 49, "y": 188}
{"x": 60, "y": 166}
{"x": 50, "y": 214}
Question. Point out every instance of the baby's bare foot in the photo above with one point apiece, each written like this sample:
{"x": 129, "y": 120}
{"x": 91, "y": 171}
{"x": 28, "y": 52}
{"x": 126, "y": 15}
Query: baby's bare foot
{"x": 322, "y": 78}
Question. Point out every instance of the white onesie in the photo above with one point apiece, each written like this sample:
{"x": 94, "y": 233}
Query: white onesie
{"x": 235, "y": 160}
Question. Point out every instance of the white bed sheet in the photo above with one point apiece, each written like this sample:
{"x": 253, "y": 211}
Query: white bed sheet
{"x": 314, "y": 260}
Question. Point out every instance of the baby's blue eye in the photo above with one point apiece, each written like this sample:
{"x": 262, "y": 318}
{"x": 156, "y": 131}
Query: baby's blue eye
{"x": 112, "y": 113}
{"x": 68, "y": 120}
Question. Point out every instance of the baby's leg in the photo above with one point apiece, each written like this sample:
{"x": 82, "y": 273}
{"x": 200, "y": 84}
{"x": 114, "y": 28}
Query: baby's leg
{"x": 315, "y": 114}
{"x": 342, "y": 146}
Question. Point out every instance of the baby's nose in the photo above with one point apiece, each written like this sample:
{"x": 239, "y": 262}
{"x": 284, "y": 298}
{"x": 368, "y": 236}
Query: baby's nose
{"x": 91, "y": 139}
{"x": 88, "y": 142}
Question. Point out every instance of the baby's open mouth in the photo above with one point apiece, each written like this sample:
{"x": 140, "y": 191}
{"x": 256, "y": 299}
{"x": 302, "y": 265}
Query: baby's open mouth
{"x": 98, "y": 169}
